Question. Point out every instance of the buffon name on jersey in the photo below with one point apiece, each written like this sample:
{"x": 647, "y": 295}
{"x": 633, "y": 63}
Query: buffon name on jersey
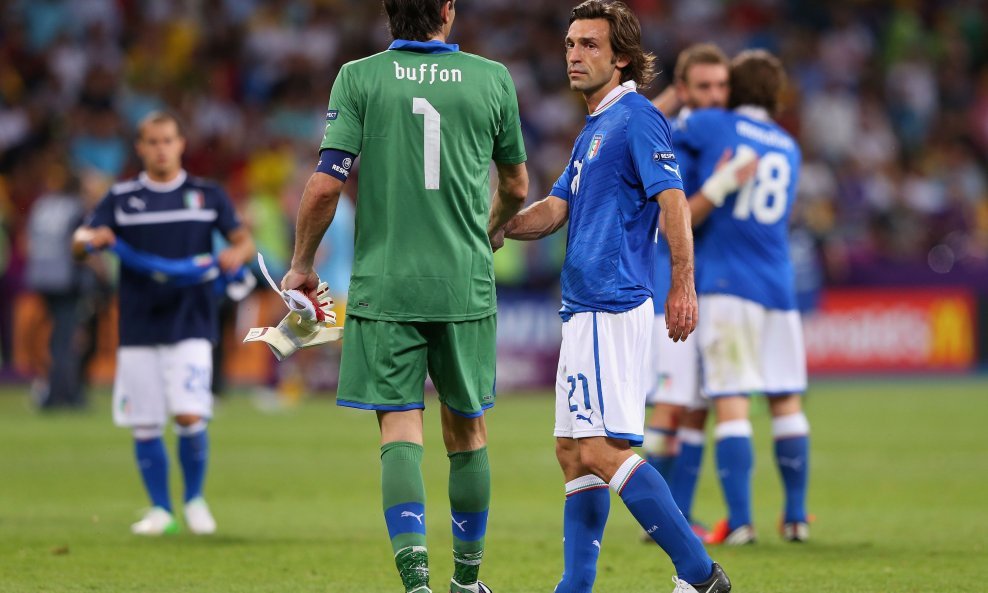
{"x": 427, "y": 73}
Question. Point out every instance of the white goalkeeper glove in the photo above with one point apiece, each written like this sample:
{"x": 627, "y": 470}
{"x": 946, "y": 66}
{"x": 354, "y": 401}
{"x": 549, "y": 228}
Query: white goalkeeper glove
{"x": 724, "y": 180}
{"x": 292, "y": 333}
{"x": 308, "y": 323}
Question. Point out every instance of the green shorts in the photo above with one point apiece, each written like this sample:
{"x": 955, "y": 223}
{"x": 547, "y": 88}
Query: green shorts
{"x": 384, "y": 364}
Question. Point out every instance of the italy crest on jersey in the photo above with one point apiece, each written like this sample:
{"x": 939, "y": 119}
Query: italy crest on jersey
{"x": 194, "y": 200}
{"x": 595, "y": 145}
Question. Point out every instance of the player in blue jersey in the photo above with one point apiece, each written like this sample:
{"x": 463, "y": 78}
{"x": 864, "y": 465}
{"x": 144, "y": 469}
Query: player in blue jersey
{"x": 674, "y": 437}
{"x": 749, "y": 332}
{"x": 621, "y": 171}
{"x": 164, "y": 363}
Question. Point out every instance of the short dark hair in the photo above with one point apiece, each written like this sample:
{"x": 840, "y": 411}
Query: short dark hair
{"x": 159, "y": 117}
{"x": 699, "y": 53}
{"x": 626, "y": 37}
{"x": 757, "y": 78}
{"x": 414, "y": 20}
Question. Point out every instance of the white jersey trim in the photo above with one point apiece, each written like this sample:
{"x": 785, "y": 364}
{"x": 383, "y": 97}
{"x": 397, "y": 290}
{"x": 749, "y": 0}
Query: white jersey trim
{"x": 126, "y": 219}
{"x": 614, "y": 96}
{"x": 163, "y": 188}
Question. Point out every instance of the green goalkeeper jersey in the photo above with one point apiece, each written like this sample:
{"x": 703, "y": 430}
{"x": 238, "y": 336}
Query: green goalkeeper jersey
{"x": 427, "y": 120}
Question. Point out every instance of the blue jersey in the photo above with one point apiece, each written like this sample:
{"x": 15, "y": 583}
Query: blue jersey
{"x": 621, "y": 160}
{"x": 745, "y": 250}
{"x": 174, "y": 220}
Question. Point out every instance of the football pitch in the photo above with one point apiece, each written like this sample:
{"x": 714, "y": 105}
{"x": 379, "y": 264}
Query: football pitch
{"x": 898, "y": 483}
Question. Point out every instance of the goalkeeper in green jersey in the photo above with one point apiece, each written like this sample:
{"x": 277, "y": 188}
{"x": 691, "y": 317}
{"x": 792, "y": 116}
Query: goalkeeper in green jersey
{"x": 427, "y": 121}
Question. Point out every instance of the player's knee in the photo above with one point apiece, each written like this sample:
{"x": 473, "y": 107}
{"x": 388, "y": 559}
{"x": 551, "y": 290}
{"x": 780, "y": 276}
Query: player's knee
{"x": 196, "y": 427}
{"x": 785, "y": 405}
{"x": 734, "y": 407}
{"x": 568, "y": 456}
{"x": 694, "y": 420}
{"x": 599, "y": 459}
{"x": 187, "y": 420}
{"x": 464, "y": 434}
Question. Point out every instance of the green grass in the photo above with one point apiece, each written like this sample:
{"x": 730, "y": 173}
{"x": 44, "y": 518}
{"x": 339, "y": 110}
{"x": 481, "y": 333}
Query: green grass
{"x": 900, "y": 471}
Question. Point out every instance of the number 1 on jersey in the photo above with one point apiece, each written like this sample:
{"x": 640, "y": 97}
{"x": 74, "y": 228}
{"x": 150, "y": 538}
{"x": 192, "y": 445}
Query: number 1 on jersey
{"x": 431, "y": 147}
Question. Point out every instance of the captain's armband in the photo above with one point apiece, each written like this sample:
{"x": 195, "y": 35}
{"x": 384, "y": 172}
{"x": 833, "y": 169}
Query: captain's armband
{"x": 335, "y": 163}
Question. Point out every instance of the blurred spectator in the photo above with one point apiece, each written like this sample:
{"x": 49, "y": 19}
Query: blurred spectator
{"x": 53, "y": 273}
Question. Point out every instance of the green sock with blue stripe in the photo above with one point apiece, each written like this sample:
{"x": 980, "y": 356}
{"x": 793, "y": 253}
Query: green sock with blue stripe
{"x": 404, "y": 512}
{"x": 469, "y": 502}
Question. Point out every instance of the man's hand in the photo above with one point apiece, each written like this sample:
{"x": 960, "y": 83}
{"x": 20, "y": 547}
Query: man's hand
{"x": 305, "y": 280}
{"x": 86, "y": 239}
{"x": 240, "y": 251}
{"x": 682, "y": 312}
{"x": 100, "y": 238}
{"x": 497, "y": 240}
{"x": 230, "y": 260}
{"x": 731, "y": 173}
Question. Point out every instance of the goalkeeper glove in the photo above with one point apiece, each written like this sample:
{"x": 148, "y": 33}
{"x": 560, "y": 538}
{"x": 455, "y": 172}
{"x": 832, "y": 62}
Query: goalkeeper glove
{"x": 292, "y": 333}
{"x": 306, "y": 325}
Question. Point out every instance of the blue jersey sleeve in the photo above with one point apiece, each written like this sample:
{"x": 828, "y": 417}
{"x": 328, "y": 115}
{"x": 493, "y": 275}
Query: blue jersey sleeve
{"x": 561, "y": 189}
{"x": 650, "y": 147}
{"x": 103, "y": 214}
{"x": 226, "y": 219}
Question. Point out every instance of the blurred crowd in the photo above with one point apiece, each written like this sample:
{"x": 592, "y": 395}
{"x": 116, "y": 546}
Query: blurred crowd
{"x": 889, "y": 100}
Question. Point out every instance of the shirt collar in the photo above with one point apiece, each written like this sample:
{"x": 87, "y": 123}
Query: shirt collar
{"x": 162, "y": 188}
{"x": 614, "y": 96}
{"x": 424, "y": 47}
{"x": 753, "y": 112}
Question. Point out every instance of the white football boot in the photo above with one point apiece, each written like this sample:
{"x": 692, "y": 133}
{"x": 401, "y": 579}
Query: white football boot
{"x": 198, "y": 518}
{"x": 157, "y": 521}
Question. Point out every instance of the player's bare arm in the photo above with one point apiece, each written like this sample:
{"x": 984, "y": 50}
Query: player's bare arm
{"x": 88, "y": 238}
{"x": 541, "y": 219}
{"x": 315, "y": 213}
{"x": 668, "y": 101}
{"x": 240, "y": 251}
{"x": 512, "y": 189}
{"x": 681, "y": 305}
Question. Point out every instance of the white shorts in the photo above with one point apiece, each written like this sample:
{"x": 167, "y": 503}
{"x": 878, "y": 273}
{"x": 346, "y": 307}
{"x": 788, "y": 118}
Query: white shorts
{"x": 746, "y": 348}
{"x": 154, "y": 383}
{"x": 601, "y": 378}
{"x": 674, "y": 370}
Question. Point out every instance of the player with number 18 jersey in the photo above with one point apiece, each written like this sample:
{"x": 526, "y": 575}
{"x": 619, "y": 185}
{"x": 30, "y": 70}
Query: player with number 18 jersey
{"x": 750, "y": 333}
{"x": 745, "y": 249}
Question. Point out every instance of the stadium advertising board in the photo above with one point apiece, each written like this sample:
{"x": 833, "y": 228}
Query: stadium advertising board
{"x": 876, "y": 331}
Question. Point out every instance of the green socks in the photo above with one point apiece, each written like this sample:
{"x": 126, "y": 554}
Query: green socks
{"x": 469, "y": 501}
{"x": 404, "y": 512}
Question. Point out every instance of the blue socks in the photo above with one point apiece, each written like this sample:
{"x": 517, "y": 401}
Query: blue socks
{"x": 792, "y": 454}
{"x": 193, "y": 453}
{"x": 647, "y": 496}
{"x": 152, "y": 461}
{"x": 686, "y": 470}
{"x": 735, "y": 461}
{"x": 588, "y": 503}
